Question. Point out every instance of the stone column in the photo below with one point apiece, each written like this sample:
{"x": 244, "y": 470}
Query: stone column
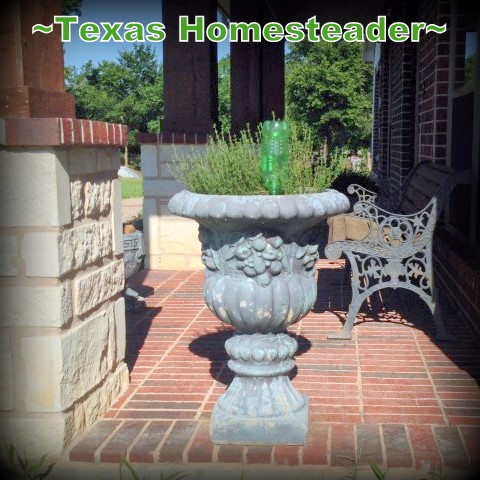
{"x": 62, "y": 315}
{"x": 171, "y": 242}
{"x": 190, "y": 71}
{"x": 31, "y": 77}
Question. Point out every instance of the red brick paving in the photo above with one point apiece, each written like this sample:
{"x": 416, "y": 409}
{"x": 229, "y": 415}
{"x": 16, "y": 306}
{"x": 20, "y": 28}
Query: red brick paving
{"x": 391, "y": 393}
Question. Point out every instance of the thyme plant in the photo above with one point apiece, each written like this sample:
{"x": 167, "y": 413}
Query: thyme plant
{"x": 231, "y": 165}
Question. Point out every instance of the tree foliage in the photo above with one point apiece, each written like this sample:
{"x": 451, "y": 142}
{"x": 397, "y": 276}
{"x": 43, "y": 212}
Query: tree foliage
{"x": 128, "y": 91}
{"x": 224, "y": 95}
{"x": 329, "y": 87}
{"x": 72, "y": 7}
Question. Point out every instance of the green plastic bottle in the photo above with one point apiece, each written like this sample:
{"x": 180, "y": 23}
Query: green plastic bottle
{"x": 275, "y": 135}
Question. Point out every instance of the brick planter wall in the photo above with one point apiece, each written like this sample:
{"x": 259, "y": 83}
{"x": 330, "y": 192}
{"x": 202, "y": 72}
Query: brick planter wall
{"x": 62, "y": 316}
{"x": 171, "y": 242}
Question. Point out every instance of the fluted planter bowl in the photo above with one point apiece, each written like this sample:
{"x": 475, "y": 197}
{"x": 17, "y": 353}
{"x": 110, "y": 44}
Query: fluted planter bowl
{"x": 259, "y": 254}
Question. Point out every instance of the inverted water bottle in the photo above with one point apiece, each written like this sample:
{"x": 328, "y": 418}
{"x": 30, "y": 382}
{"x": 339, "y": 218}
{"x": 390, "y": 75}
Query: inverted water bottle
{"x": 275, "y": 135}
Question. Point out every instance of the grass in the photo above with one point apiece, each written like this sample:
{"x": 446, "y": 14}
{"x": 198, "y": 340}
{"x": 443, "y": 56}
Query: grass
{"x": 131, "y": 187}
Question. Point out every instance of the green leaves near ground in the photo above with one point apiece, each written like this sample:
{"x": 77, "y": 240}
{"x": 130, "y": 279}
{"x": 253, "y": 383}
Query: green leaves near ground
{"x": 13, "y": 466}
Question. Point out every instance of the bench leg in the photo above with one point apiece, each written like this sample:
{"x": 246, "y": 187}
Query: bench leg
{"x": 442, "y": 334}
{"x": 352, "y": 271}
{"x": 346, "y": 332}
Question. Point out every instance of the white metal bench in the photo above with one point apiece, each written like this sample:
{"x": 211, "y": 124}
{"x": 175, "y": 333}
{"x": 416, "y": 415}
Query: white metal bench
{"x": 388, "y": 241}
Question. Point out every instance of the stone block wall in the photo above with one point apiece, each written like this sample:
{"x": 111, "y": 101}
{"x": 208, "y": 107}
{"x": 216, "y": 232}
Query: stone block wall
{"x": 62, "y": 315}
{"x": 171, "y": 242}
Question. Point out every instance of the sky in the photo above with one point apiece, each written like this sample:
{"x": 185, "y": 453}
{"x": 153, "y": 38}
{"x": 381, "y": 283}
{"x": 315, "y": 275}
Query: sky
{"x": 77, "y": 52}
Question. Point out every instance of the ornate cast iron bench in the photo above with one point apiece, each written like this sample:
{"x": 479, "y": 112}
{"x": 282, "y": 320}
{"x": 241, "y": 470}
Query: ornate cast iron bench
{"x": 389, "y": 243}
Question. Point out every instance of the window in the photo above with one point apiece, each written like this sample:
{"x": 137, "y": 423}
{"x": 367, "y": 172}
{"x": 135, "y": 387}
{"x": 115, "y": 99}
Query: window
{"x": 463, "y": 216}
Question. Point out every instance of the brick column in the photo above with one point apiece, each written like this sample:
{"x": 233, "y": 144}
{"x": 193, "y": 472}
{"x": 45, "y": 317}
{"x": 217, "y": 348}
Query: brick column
{"x": 62, "y": 315}
{"x": 190, "y": 71}
{"x": 246, "y": 82}
{"x": 171, "y": 242}
{"x": 273, "y": 79}
{"x": 31, "y": 76}
{"x": 257, "y": 70}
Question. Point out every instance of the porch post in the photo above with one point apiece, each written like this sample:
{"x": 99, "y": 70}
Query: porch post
{"x": 273, "y": 79}
{"x": 31, "y": 77}
{"x": 62, "y": 313}
{"x": 246, "y": 81}
{"x": 257, "y": 71}
{"x": 190, "y": 71}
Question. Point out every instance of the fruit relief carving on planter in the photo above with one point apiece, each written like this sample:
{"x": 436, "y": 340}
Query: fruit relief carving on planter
{"x": 260, "y": 256}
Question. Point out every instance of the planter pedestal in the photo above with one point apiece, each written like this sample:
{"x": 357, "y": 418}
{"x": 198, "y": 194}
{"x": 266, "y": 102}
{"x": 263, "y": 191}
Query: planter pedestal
{"x": 260, "y": 253}
{"x": 261, "y": 406}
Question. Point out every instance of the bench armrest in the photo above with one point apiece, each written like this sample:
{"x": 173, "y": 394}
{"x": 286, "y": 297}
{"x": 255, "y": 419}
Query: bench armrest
{"x": 390, "y": 235}
{"x": 363, "y": 194}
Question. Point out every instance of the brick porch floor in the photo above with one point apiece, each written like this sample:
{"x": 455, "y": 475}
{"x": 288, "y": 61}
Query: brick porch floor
{"x": 406, "y": 400}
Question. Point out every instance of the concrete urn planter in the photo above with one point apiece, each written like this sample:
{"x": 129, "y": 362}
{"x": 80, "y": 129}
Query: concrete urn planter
{"x": 259, "y": 254}
{"x": 133, "y": 252}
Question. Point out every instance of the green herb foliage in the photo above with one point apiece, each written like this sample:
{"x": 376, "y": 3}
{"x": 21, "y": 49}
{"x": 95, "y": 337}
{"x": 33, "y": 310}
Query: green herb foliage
{"x": 231, "y": 165}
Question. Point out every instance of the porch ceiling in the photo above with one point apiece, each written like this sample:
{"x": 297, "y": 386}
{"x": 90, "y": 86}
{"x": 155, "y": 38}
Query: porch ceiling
{"x": 326, "y": 10}
{"x": 335, "y": 11}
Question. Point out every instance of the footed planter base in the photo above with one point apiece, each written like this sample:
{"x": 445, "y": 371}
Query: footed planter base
{"x": 259, "y": 254}
{"x": 261, "y": 406}
{"x": 288, "y": 429}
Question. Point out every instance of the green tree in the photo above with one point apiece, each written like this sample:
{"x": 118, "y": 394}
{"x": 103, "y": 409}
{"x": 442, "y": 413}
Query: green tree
{"x": 329, "y": 86}
{"x": 72, "y": 7}
{"x": 128, "y": 91}
{"x": 224, "y": 117}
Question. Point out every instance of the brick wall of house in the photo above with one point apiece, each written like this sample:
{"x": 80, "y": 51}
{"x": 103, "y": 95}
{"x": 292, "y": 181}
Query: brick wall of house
{"x": 394, "y": 106}
{"x": 433, "y": 53}
{"x": 410, "y": 124}
{"x": 380, "y": 118}
{"x": 411, "y": 107}
{"x": 457, "y": 272}
{"x": 402, "y": 63}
